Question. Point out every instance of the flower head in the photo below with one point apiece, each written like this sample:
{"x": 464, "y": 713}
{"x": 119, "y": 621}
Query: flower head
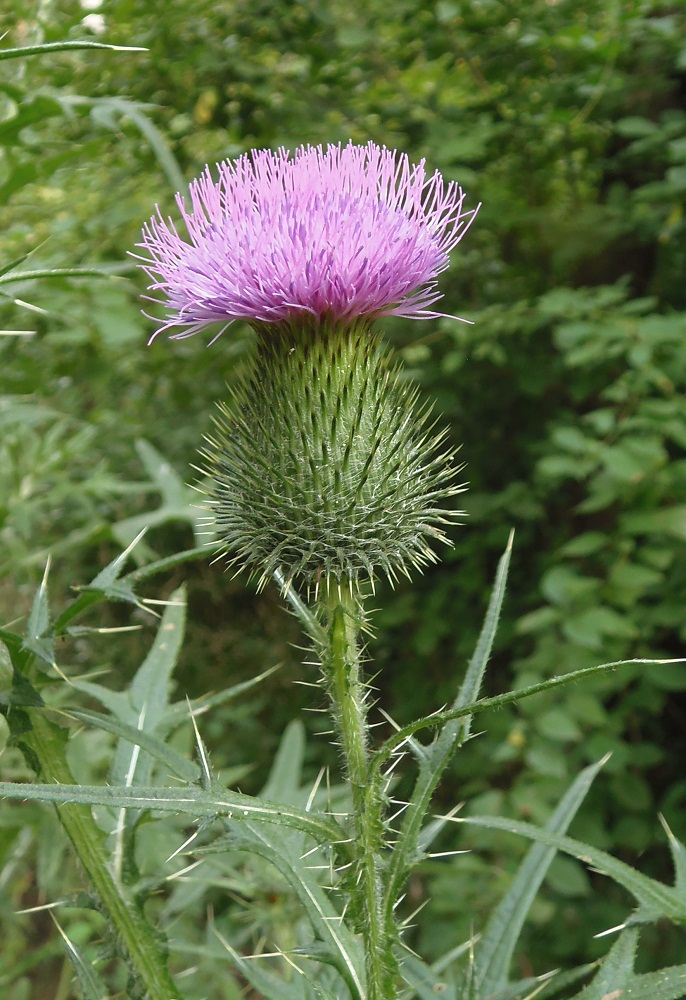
{"x": 336, "y": 234}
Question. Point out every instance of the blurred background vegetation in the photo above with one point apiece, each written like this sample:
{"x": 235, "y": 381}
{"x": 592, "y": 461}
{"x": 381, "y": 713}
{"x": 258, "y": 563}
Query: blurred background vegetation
{"x": 567, "y": 119}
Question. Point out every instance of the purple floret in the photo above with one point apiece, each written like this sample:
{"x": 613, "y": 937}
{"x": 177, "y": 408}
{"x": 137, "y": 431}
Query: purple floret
{"x": 336, "y": 234}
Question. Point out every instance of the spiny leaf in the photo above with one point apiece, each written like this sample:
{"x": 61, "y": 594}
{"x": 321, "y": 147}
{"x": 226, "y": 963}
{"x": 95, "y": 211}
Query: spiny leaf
{"x": 14, "y": 658}
{"x": 38, "y": 639}
{"x": 148, "y": 693}
{"x": 56, "y": 272}
{"x": 178, "y": 501}
{"x": 344, "y": 949}
{"x": 47, "y": 47}
{"x": 388, "y": 748}
{"x": 656, "y": 898}
{"x": 190, "y": 800}
{"x": 286, "y": 771}
{"x": 678, "y": 851}
{"x": 108, "y": 583}
{"x": 666, "y": 984}
{"x": 269, "y": 984}
{"x": 175, "y": 762}
{"x": 91, "y": 984}
{"x": 437, "y": 756}
{"x": 493, "y": 952}
{"x": 615, "y": 972}
{"x": 179, "y": 710}
{"x": 425, "y": 983}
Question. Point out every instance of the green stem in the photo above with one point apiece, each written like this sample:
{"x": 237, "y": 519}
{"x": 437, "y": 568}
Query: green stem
{"x": 138, "y": 940}
{"x": 341, "y": 662}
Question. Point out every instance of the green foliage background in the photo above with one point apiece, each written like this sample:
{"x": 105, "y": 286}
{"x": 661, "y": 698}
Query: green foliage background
{"x": 568, "y": 121}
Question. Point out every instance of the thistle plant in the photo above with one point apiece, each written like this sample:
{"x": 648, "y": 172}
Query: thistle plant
{"x": 323, "y": 473}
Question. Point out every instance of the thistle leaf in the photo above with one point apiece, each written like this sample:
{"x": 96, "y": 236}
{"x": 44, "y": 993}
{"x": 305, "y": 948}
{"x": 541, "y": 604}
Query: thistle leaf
{"x": 666, "y": 984}
{"x": 438, "y": 754}
{"x": 656, "y": 900}
{"x": 190, "y": 801}
{"x": 46, "y": 47}
{"x": 269, "y": 984}
{"x": 286, "y": 771}
{"x": 148, "y": 694}
{"x": 616, "y": 970}
{"x": 495, "y": 947}
{"x": 678, "y": 852}
{"x": 178, "y": 501}
{"x": 156, "y": 748}
{"x": 38, "y": 639}
{"x": 92, "y": 985}
{"x": 343, "y": 949}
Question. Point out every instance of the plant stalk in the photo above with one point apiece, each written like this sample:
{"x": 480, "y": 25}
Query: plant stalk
{"x": 137, "y": 939}
{"x": 342, "y": 667}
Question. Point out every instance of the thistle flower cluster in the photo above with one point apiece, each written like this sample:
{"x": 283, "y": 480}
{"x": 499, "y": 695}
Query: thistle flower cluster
{"x": 323, "y": 466}
{"x": 342, "y": 233}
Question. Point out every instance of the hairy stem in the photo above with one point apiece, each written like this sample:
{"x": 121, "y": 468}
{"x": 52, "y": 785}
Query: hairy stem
{"x": 342, "y": 667}
{"x": 137, "y": 940}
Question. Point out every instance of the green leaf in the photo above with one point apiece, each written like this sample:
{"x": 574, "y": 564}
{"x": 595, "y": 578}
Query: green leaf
{"x": 589, "y": 627}
{"x": 678, "y": 852}
{"x": 57, "y": 272}
{"x": 425, "y": 983}
{"x": 430, "y": 981}
{"x": 656, "y": 900}
{"x": 14, "y": 646}
{"x": 168, "y": 562}
{"x": 634, "y": 127}
{"x": 270, "y": 985}
{"x": 135, "y": 112}
{"x": 148, "y": 694}
{"x": 585, "y": 544}
{"x": 91, "y": 984}
{"x": 434, "y": 759}
{"x": 386, "y": 750}
{"x": 190, "y": 801}
{"x": 32, "y": 109}
{"x": 38, "y": 639}
{"x": 179, "y": 502}
{"x": 286, "y": 771}
{"x": 155, "y": 139}
{"x": 107, "y": 584}
{"x": 494, "y": 950}
{"x": 180, "y": 710}
{"x": 471, "y": 684}
{"x": 344, "y": 948}
{"x": 666, "y": 984}
{"x": 29, "y": 171}
{"x": 616, "y": 970}
{"x": 669, "y": 521}
{"x": 557, "y": 724}
{"x": 175, "y": 762}
{"x": 47, "y": 47}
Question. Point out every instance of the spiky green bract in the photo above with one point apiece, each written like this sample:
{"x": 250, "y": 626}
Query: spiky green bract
{"x": 323, "y": 466}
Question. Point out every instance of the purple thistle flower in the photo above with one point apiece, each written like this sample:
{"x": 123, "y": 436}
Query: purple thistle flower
{"x": 336, "y": 234}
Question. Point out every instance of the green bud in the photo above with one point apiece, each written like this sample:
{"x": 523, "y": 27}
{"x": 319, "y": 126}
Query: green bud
{"x": 323, "y": 466}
